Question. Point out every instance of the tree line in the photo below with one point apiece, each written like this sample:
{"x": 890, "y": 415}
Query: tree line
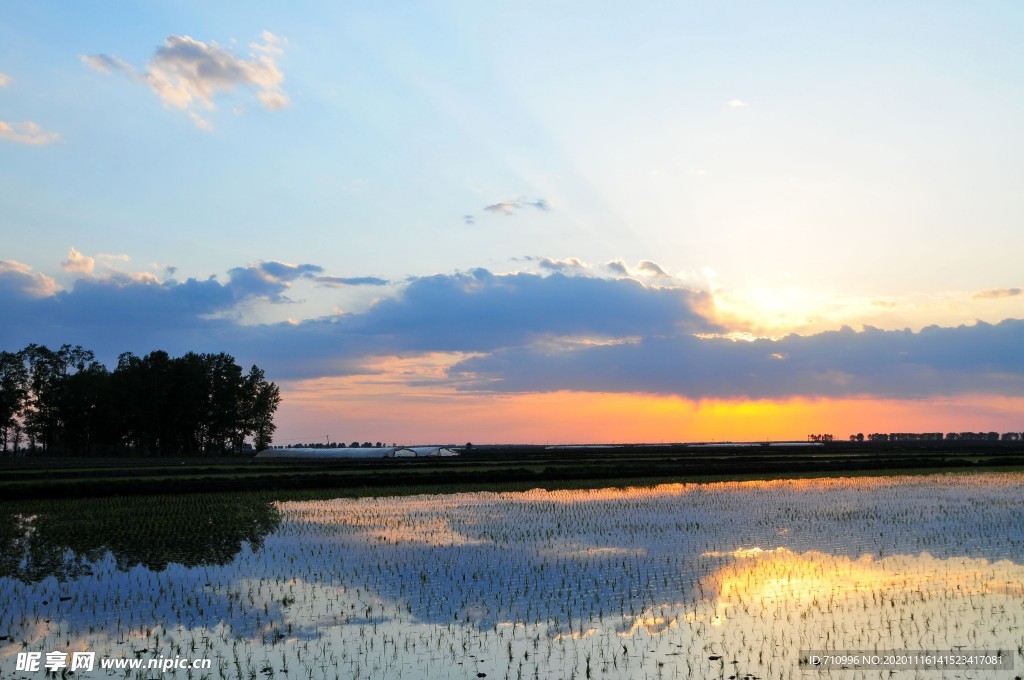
{"x": 65, "y": 402}
{"x": 936, "y": 437}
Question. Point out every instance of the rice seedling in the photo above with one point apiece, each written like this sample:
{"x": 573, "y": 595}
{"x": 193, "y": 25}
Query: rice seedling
{"x": 713, "y": 580}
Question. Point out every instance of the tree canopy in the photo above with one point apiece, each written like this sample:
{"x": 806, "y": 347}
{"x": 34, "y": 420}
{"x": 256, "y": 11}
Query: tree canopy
{"x": 65, "y": 402}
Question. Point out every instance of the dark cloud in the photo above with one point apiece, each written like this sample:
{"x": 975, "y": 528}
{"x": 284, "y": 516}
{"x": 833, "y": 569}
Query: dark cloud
{"x": 119, "y": 313}
{"x": 997, "y": 293}
{"x": 473, "y": 311}
{"x": 528, "y": 332}
{"x": 268, "y": 280}
{"x": 343, "y": 281}
{"x": 479, "y": 310}
{"x": 902, "y": 364}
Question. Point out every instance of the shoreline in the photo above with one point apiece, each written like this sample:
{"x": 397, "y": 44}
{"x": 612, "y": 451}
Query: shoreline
{"x": 491, "y": 467}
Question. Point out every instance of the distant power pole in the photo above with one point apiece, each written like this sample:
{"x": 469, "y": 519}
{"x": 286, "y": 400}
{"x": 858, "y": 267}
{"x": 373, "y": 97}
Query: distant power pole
{"x": 328, "y": 439}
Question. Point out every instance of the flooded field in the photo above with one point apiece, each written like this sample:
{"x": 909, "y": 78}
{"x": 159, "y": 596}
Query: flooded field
{"x": 717, "y": 580}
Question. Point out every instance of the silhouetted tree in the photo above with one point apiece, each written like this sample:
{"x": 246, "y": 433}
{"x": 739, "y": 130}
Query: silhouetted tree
{"x": 66, "y": 402}
{"x": 13, "y": 395}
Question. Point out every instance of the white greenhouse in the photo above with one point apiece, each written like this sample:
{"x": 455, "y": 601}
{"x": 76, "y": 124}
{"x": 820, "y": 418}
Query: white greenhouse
{"x": 442, "y": 451}
{"x": 346, "y": 452}
{"x": 360, "y": 452}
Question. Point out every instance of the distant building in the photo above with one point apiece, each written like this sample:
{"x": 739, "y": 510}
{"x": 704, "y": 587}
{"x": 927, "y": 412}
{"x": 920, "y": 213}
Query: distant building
{"x": 360, "y": 452}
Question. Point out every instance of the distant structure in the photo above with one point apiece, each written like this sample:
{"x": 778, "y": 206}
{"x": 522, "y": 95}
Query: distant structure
{"x": 441, "y": 451}
{"x": 360, "y": 452}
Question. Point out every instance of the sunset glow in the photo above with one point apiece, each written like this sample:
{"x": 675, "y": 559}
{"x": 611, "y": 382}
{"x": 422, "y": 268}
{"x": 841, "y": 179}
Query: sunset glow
{"x": 356, "y": 410}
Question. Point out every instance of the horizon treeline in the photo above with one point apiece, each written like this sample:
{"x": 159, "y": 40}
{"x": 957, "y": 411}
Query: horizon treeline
{"x": 937, "y": 436}
{"x": 65, "y": 402}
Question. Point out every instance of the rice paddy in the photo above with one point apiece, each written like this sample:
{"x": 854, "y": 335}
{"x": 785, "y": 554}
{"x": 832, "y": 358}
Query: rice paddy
{"x": 719, "y": 580}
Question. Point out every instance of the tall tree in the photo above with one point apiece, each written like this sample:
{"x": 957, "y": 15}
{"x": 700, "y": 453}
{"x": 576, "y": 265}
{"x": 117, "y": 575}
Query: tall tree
{"x": 262, "y": 399}
{"x": 13, "y": 395}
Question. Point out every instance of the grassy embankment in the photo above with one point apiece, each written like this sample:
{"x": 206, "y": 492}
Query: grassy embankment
{"x": 491, "y": 468}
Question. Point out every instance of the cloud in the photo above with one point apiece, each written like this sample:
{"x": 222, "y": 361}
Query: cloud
{"x": 17, "y": 280}
{"x": 517, "y": 332}
{"x": 510, "y": 206}
{"x": 115, "y": 313}
{"x": 901, "y": 364}
{"x": 617, "y": 267}
{"x": 103, "y": 265}
{"x": 200, "y": 122}
{"x": 343, "y": 281}
{"x": 268, "y": 280}
{"x": 77, "y": 262}
{"x": 502, "y": 208}
{"x": 479, "y": 310}
{"x": 645, "y": 269}
{"x": 997, "y": 294}
{"x": 5, "y": 80}
{"x": 652, "y": 269}
{"x": 273, "y": 100}
{"x": 571, "y": 264}
{"x": 105, "y": 63}
{"x": 737, "y": 104}
{"x": 26, "y": 133}
{"x": 187, "y": 73}
{"x": 475, "y": 311}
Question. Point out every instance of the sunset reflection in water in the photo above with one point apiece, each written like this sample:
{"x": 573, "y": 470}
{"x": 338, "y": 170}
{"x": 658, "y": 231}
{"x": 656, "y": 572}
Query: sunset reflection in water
{"x": 676, "y": 580}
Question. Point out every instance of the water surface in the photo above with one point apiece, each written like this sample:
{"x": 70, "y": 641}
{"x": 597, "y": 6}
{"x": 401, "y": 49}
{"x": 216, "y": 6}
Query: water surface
{"x": 711, "y": 580}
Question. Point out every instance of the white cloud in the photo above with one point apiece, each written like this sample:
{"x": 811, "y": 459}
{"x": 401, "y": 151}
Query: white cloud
{"x": 200, "y": 122}
{"x": 26, "y": 133}
{"x": 109, "y": 258}
{"x": 736, "y": 104}
{"x": 617, "y": 267}
{"x": 105, "y": 63}
{"x": 5, "y": 80}
{"x": 502, "y": 207}
{"x": 273, "y": 100}
{"x": 572, "y": 264}
{"x": 187, "y": 73}
{"x": 649, "y": 268}
{"x": 77, "y": 262}
{"x": 272, "y": 44}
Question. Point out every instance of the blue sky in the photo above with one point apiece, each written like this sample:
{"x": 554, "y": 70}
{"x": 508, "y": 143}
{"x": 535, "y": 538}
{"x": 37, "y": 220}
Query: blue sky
{"x": 795, "y": 167}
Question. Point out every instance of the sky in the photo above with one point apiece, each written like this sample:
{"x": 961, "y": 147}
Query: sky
{"x": 537, "y": 222}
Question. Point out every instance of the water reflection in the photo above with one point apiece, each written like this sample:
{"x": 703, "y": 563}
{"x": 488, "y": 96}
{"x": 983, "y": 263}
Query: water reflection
{"x": 65, "y": 539}
{"x": 669, "y": 581}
